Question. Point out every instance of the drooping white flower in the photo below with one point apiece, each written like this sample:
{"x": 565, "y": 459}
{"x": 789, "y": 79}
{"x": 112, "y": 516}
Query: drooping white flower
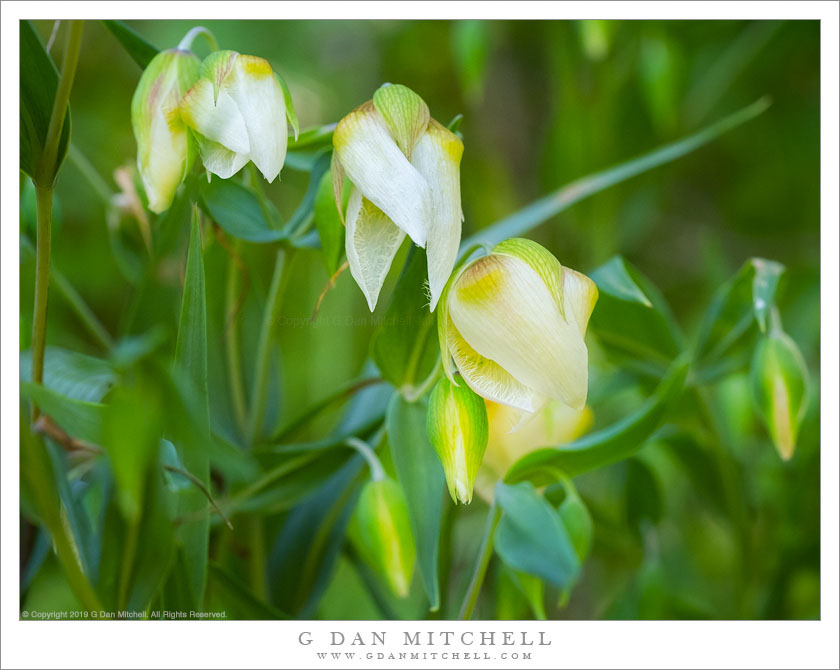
{"x": 238, "y": 111}
{"x": 165, "y": 151}
{"x": 405, "y": 171}
{"x": 513, "y": 322}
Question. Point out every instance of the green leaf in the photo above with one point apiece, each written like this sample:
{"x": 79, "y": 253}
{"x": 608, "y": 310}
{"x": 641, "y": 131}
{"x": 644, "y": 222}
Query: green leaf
{"x": 82, "y": 420}
{"x": 237, "y": 599}
{"x": 531, "y": 536}
{"x": 606, "y": 446}
{"x": 306, "y": 207}
{"x": 405, "y": 347}
{"x": 642, "y": 494}
{"x": 38, "y": 85}
{"x": 137, "y": 556}
{"x": 191, "y": 361}
{"x": 328, "y": 221}
{"x": 237, "y": 209}
{"x": 779, "y": 379}
{"x": 131, "y": 438}
{"x": 421, "y": 475}
{"x": 71, "y": 374}
{"x": 737, "y": 312}
{"x": 632, "y": 319}
{"x": 313, "y": 138}
{"x": 578, "y": 523}
{"x": 137, "y": 47}
{"x": 308, "y": 545}
{"x": 540, "y": 211}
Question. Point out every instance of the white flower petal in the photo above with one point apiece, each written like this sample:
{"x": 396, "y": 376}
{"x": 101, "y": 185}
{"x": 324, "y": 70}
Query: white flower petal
{"x": 377, "y": 167}
{"x": 219, "y": 121}
{"x": 489, "y": 379}
{"x": 504, "y": 310}
{"x": 579, "y": 296}
{"x": 437, "y": 156}
{"x": 219, "y": 160}
{"x": 371, "y": 240}
{"x": 262, "y": 105}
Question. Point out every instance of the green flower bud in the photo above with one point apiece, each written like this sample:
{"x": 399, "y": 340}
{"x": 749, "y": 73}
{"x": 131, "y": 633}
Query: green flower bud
{"x": 457, "y": 426}
{"x": 164, "y": 147}
{"x": 779, "y": 379}
{"x": 383, "y": 533}
{"x": 405, "y": 170}
{"x": 513, "y": 323}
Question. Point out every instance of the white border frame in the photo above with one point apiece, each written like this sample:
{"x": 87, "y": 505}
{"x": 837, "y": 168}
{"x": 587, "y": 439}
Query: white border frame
{"x": 273, "y": 644}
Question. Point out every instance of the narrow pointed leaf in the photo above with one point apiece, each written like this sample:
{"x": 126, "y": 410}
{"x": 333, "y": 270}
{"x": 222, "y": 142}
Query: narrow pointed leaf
{"x": 421, "y": 476}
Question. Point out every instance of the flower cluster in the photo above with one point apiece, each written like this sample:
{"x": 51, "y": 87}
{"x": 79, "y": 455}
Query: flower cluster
{"x": 511, "y": 323}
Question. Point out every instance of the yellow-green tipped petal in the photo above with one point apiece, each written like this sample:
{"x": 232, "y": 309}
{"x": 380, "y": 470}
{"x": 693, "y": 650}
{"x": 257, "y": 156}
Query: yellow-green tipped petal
{"x": 376, "y": 166}
{"x": 371, "y": 242}
{"x": 405, "y": 113}
{"x": 216, "y": 67}
{"x": 541, "y": 261}
{"x": 437, "y": 156}
{"x": 779, "y": 379}
{"x": 505, "y": 311}
{"x": 384, "y": 533}
{"x": 164, "y": 153}
{"x": 457, "y": 427}
{"x": 262, "y": 104}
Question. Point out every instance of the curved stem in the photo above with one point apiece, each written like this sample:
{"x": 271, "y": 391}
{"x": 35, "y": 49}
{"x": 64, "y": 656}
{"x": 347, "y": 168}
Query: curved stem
{"x": 186, "y": 43}
{"x": 484, "y": 554}
{"x": 377, "y": 472}
{"x": 272, "y": 307}
{"x": 231, "y": 335}
{"x": 310, "y": 413}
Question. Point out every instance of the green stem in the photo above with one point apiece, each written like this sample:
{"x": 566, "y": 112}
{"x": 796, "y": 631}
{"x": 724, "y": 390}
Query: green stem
{"x": 42, "y": 282}
{"x": 256, "y": 557}
{"x": 311, "y": 412}
{"x": 237, "y": 389}
{"x": 186, "y": 43}
{"x": 263, "y": 363}
{"x": 45, "y": 174}
{"x": 484, "y": 554}
{"x": 377, "y": 472}
{"x": 45, "y": 178}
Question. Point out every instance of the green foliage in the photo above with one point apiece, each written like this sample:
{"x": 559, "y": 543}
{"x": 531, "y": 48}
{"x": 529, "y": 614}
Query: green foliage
{"x": 679, "y": 507}
{"x": 531, "y": 536}
{"x": 38, "y": 85}
{"x": 421, "y": 476}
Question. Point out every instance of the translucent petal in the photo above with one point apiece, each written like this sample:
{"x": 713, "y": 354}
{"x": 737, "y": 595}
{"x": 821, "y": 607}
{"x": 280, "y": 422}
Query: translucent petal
{"x": 164, "y": 168}
{"x": 579, "y": 295}
{"x": 371, "y": 242}
{"x": 504, "y": 310}
{"x": 262, "y": 105}
{"x": 437, "y": 157}
{"x": 489, "y": 379}
{"x": 219, "y": 160}
{"x": 376, "y": 166}
{"x": 219, "y": 121}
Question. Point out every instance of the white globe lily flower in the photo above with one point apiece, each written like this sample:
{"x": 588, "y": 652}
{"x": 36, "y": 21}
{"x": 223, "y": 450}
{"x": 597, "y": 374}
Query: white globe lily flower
{"x": 513, "y": 324}
{"x": 238, "y": 112}
{"x": 165, "y": 151}
{"x": 405, "y": 171}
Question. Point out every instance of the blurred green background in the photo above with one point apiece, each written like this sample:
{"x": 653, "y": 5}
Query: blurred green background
{"x": 543, "y": 103}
